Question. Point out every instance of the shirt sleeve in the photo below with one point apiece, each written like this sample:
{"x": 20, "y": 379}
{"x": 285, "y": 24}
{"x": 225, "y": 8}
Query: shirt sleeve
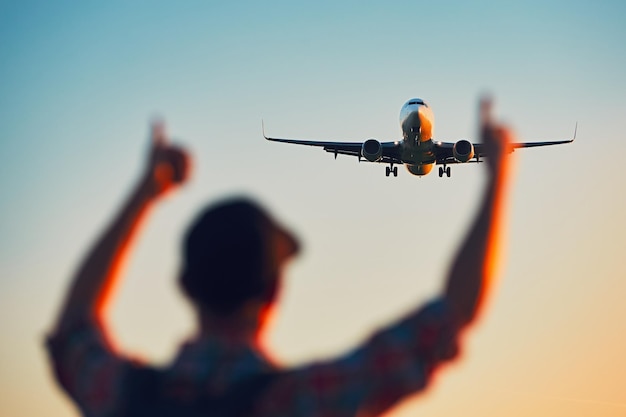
{"x": 87, "y": 369}
{"x": 395, "y": 362}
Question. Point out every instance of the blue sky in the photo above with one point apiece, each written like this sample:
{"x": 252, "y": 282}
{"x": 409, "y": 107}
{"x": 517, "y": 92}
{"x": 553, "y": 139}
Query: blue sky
{"x": 79, "y": 83}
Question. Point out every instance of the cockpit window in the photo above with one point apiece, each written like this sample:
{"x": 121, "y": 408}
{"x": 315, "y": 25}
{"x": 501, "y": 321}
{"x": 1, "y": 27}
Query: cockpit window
{"x": 418, "y": 101}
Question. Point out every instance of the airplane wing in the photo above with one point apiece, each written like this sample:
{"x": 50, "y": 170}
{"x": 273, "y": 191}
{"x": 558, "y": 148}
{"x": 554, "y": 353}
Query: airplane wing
{"x": 443, "y": 150}
{"x": 390, "y": 150}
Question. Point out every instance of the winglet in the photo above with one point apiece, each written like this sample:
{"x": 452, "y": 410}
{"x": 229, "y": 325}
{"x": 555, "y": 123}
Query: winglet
{"x": 575, "y": 130}
{"x": 263, "y": 129}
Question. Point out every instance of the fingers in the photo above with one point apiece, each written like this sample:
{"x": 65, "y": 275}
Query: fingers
{"x": 180, "y": 163}
{"x": 170, "y": 168}
{"x": 504, "y": 134}
{"x": 168, "y": 165}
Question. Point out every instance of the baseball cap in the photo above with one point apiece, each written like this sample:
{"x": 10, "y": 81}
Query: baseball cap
{"x": 232, "y": 252}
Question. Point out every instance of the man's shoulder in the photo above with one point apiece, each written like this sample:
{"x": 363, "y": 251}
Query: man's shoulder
{"x": 158, "y": 392}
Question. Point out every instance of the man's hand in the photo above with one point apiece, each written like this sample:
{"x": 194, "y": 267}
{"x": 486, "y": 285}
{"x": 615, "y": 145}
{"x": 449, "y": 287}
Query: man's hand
{"x": 474, "y": 268}
{"x": 90, "y": 290}
{"x": 168, "y": 165}
{"x": 497, "y": 138}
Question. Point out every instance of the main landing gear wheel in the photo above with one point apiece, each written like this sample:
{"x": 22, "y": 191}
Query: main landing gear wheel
{"x": 444, "y": 169}
{"x": 391, "y": 169}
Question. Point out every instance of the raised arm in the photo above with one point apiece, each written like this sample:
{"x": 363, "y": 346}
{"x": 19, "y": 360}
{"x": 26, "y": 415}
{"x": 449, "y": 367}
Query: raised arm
{"x": 474, "y": 268}
{"x": 91, "y": 288}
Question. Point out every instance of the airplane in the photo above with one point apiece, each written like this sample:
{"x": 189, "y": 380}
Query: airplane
{"x": 417, "y": 149}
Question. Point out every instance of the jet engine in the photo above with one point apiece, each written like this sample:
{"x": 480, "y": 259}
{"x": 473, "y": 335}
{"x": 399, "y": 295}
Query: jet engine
{"x": 463, "y": 150}
{"x": 372, "y": 150}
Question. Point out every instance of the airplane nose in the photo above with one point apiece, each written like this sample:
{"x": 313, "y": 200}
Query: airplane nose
{"x": 413, "y": 121}
{"x": 411, "y": 125}
{"x": 426, "y": 123}
{"x": 416, "y": 120}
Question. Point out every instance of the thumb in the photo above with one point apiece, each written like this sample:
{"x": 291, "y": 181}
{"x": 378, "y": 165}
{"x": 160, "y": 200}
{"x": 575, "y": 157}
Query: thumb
{"x": 484, "y": 112}
{"x": 158, "y": 134}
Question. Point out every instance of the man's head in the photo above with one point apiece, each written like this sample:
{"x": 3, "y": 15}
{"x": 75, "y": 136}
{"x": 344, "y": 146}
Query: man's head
{"x": 232, "y": 254}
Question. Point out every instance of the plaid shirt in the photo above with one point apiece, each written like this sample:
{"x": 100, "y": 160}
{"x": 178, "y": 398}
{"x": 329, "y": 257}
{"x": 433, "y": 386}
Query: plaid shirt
{"x": 395, "y": 362}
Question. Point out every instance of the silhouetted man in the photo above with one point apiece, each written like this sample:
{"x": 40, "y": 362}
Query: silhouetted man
{"x": 234, "y": 254}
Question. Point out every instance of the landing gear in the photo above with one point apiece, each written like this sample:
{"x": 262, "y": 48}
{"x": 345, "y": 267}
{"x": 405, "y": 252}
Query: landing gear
{"x": 443, "y": 170}
{"x": 391, "y": 169}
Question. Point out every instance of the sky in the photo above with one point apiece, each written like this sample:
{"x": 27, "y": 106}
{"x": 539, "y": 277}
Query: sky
{"x": 80, "y": 81}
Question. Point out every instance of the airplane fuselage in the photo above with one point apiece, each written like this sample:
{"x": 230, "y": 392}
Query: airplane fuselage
{"x": 417, "y": 122}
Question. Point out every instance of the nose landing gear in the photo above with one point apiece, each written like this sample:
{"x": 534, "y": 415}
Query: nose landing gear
{"x": 391, "y": 169}
{"x": 443, "y": 170}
